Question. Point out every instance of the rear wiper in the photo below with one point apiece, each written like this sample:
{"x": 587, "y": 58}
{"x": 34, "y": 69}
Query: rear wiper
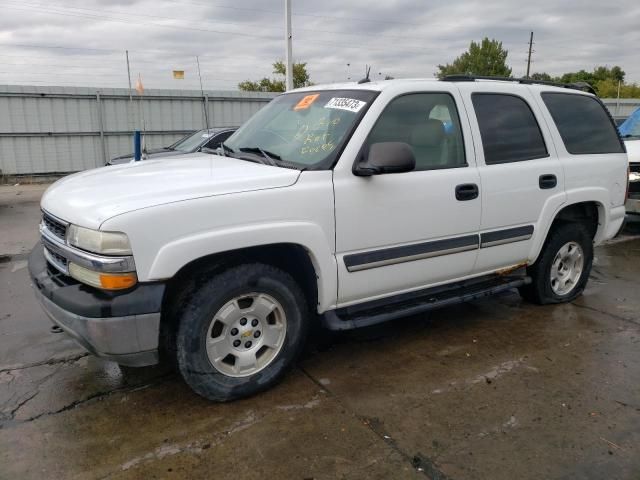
{"x": 272, "y": 157}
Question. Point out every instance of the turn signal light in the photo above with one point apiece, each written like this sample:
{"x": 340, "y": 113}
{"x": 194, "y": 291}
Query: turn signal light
{"x": 105, "y": 281}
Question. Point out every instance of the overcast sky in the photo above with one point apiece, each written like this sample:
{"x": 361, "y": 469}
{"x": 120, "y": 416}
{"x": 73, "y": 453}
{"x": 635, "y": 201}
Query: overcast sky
{"x": 239, "y": 39}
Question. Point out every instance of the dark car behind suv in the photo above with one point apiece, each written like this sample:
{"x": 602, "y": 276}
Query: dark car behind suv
{"x": 193, "y": 142}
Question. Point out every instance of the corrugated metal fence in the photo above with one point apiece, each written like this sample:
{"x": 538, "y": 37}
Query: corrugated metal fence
{"x": 623, "y": 107}
{"x": 66, "y": 129}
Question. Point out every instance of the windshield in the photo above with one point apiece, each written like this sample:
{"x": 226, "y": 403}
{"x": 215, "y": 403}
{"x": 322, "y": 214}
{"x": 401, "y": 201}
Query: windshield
{"x": 304, "y": 129}
{"x": 191, "y": 142}
{"x": 630, "y": 128}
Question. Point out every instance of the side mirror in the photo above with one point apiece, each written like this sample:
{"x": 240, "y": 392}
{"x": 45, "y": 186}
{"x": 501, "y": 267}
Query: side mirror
{"x": 386, "y": 157}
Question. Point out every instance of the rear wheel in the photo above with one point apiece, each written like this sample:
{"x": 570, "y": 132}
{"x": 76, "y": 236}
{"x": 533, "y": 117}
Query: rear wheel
{"x": 562, "y": 270}
{"x": 240, "y": 331}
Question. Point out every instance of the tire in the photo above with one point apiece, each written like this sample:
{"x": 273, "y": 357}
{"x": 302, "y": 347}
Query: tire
{"x": 545, "y": 288}
{"x": 203, "y": 337}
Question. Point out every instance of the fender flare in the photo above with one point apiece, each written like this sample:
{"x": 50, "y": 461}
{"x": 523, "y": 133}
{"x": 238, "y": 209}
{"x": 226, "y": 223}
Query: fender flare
{"x": 597, "y": 195}
{"x": 182, "y": 251}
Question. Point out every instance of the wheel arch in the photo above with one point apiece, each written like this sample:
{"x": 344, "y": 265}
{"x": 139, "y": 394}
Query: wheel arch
{"x": 591, "y": 213}
{"x": 292, "y": 258}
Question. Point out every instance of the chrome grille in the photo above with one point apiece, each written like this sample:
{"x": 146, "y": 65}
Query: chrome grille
{"x": 56, "y": 227}
{"x": 56, "y": 260}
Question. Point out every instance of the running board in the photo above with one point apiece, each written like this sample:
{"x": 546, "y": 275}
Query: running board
{"x": 379, "y": 311}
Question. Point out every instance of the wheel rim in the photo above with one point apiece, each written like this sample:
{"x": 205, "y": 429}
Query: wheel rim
{"x": 566, "y": 268}
{"x": 246, "y": 334}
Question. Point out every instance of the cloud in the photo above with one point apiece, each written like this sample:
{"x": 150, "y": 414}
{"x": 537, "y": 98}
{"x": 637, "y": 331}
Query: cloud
{"x": 240, "y": 40}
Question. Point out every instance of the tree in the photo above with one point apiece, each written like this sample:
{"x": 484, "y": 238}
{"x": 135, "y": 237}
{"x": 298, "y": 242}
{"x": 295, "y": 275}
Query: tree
{"x": 604, "y": 80}
{"x": 300, "y": 79}
{"x": 484, "y": 58}
{"x": 542, "y": 76}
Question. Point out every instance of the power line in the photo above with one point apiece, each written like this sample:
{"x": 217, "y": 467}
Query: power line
{"x": 273, "y": 12}
{"x": 94, "y": 11}
{"x": 52, "y": 11}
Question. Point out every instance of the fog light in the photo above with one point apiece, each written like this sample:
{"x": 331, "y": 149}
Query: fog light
{"x": 106, "y": 281}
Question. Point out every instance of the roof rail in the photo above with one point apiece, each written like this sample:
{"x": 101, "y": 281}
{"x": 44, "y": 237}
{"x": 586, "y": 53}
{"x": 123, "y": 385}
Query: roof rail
{"x": 583, "y": 86}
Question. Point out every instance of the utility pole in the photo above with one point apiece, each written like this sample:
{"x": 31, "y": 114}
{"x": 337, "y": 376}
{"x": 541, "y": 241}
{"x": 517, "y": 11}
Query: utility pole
{"x": 289, "y": 59}
{"x": 529, "y": 56}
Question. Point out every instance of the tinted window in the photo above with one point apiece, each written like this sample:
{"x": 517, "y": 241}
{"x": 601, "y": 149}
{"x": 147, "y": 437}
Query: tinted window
{"x": 583, "y": 123}
{"x": 509, "y": 130}
{"x": 429, "y": 123}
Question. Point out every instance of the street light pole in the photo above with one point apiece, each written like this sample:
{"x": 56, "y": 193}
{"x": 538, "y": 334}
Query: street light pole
{"x": 289, "y": 59}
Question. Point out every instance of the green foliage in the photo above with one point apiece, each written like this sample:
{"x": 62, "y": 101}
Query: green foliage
{"x": 609, "y": 89}
{"x": 603, "y": 79}
{"x": 484, "y": 58}
{"x": 545, "y": 77}
{"x": 300, "y": 79}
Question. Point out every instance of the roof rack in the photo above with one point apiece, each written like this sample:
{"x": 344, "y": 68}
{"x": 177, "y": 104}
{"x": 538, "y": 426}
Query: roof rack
{"x": 583, "y": 86}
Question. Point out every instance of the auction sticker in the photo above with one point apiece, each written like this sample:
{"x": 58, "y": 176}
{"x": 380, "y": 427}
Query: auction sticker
{"x": 306, "y": 102}
{"x": 349, "y": 104}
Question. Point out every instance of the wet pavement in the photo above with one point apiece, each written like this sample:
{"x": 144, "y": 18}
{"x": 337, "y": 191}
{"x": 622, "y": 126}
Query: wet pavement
{"x": 492, "y": 389}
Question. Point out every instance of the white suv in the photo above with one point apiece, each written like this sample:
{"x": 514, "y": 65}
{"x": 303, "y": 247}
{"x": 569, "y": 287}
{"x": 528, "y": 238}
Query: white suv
{"x": 344, "y": 204}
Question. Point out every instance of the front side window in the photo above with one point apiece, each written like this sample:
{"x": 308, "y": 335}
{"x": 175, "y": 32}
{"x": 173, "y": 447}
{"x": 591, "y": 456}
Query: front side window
{"x": 429, "y": 124}
{"x": 509, "y": 130}
{"x": 583, "y": 123}
{"x": 306, "y": 130}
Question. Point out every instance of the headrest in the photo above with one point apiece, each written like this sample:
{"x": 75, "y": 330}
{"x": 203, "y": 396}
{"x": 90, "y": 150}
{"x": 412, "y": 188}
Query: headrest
{"x": 430, "y": 134}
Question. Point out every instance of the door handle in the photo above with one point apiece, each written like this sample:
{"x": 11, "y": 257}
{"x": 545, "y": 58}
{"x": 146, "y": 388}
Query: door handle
{"x": 547, "y": 181}
{"x": 466, "y": 191}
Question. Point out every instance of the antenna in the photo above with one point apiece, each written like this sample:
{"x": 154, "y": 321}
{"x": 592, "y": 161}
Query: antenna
{"x": 366, "y": 78}
{"x": 204, "y": 102}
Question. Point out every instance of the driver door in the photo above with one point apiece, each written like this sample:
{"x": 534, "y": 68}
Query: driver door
{"x": 406, "y": 231}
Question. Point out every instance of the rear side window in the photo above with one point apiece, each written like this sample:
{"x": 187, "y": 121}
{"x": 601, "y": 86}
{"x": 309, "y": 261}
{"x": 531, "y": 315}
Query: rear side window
{"x": 509, "y": 130}
{"x": 583, "y": 123}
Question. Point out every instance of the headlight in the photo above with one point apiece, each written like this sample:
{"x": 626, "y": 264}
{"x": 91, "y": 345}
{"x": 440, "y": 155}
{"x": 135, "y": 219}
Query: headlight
{"x": 106, "y": 243}
{"x": 106, "y": 281}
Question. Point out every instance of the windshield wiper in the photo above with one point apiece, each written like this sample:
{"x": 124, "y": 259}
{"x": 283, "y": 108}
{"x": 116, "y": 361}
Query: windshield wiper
{"x": 225, "y": 149}
{"x": 630, "y": 135}
{"x": 272, "y": 157}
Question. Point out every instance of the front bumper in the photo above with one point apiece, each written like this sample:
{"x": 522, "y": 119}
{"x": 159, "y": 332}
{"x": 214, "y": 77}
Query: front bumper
{"x": 120, "y": 326}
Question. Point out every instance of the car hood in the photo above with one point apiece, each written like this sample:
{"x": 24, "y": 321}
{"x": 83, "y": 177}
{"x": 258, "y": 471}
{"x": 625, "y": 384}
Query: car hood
{"x": 633, "y": 150}
{"x": 89, "y": 198}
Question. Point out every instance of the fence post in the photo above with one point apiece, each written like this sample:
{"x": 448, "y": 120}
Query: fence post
{"x": 101, "y": 126}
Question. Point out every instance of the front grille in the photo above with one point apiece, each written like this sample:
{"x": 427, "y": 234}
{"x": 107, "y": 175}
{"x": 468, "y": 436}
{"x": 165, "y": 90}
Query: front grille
{"x": 57, "y": 261}
{"x": 56, "y": 227}
{"x": 58, "y": 258}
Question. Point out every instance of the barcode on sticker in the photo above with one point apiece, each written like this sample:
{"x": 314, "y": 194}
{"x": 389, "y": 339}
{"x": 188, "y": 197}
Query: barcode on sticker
{"x": 349, "y": 104}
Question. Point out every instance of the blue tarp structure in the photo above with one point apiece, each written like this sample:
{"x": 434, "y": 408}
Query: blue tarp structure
{"x": 631, "y": 126}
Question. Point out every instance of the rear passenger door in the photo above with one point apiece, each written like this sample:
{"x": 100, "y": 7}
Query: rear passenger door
{"x": 520, "y": 173}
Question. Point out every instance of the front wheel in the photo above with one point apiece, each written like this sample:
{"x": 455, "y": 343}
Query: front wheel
{"x": 240, "y": 331}
{"x": 561, "y": 272}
